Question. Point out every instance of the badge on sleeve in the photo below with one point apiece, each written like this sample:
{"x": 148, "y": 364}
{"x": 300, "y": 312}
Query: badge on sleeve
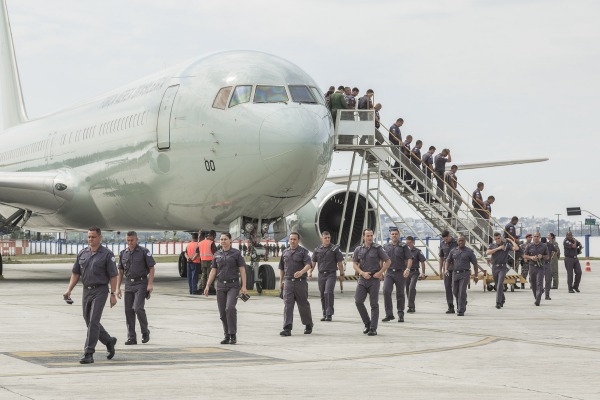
{"x": 112, "y": 259}
{"x": 149, "y": 253}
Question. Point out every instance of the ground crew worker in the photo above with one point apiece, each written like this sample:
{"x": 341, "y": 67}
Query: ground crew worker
{"x": 293, "y": 267}
{"x": 136, "y": 264}
{"x": 207, "y": 249}
{"x": 499, "y": 250}
{"x": 462, "y": 257}
{"x": 554, "y": 260}
{"x": 525, "y": 265}
{"x": 328, "y": 257}
{"x": 193, "y": 263}
{"x": 447, "y": 244}
{"x": 370, "y": 262}
{"x": 412, "y": 274}
{"x": 96, "y": 266}
{"x": 401, "y": 261}
{"x": 536, "y": 252}
{"x": 228, "y": 267}
{"x": 572, "y": 249}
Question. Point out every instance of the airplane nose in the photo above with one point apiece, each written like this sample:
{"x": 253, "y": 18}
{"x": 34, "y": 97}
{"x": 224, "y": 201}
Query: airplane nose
{"x": 296, "y": 138}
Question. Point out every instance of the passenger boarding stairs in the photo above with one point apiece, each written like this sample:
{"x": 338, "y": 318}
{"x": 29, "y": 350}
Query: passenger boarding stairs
{"x": 442, "y": 210}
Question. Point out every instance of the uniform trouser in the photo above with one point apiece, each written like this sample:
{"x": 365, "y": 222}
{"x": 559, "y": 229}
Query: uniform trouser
{"x": 370, "y": 287}
{"x": 454, "y": 199}
{"x": 205, "y": 268}
{"x": 448, "y": 288}
{"x": 393, "y": 278}
{"x": 439, "y": 179}
{"x": 135, "y": 299}
{"x": 554, "y": 272}
{"x": 226, "y": 301}
{"x": 572, "y": 265}
{"x": 93, "y": 303}
{"x": 411, "y": 288}
{"x": 326, "y": 283}
{"x": 525, "y": 269}
{"x": 192, "y": 276}
{"x": 460, "y": 282}
{"x": 536, "y": 278}
{"x": 547, "y": 278}
{"x": 296, "y": 292}
{"x": 499, "y": 273}
{"x": 429, "y": 183}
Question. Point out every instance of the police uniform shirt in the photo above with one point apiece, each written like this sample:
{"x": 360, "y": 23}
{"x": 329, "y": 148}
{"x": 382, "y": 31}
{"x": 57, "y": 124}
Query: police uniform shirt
{"x": 488, "y": 207}
{"x": 451, "y": 179}
{"x": 350, "y": 101}
{"x": 136, "y": 263}
{"x": 462, "y": 258}
{"x": 570, "y": 251}
{"x": 365, "y": 103}
{"x": 511, "y": 230}
{"x": 417, "y": 256}
{"x": 440, "y": 163}
{"x": 95, "y": 269}
{"x": 533, "y": 249}
{"x": 399, "y": 254}
{"x": 368, "y": 257}
{"x": 293, "y": 261}
{"x": 446, "y": 248}
{"x": 395, "y": 135}
{"x": 327, "y": 258}
{"x": 427, "y": 160}
{"x": 500, "y": 257}
{"x": 416, "y": 156}
{"x": 406, "y": 148}
{"x": 477, "y": 196}
{"x": 228, "y": 264}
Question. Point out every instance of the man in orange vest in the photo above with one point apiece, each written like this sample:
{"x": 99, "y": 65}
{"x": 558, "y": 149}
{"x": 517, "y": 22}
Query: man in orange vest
{"x": 207, "y": 248}
{"x": 193, "y": 263}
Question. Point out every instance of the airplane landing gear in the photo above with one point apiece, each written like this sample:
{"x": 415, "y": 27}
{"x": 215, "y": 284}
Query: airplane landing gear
{"x": 261, "y": 275}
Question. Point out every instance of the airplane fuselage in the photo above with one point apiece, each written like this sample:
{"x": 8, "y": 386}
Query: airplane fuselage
{"x": 164, "y": 154}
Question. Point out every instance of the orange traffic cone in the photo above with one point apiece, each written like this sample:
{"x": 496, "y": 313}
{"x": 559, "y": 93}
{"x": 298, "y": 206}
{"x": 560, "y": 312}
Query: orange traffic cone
{"x": 588, "y": 268}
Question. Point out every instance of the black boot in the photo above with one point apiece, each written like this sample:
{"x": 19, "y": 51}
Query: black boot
{"x": 88, "y": 358}
{"x": 226, "y": 340}
{"x": 232, "y": 339}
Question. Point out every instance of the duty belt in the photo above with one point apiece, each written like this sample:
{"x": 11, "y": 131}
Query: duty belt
{"x": 458, "y": 271}
{"x": 500, "y": 265}
{"x": 570, "y": 256}
{"x": 327, "y": 272}
{"x": 294, "y": 279}
{"x": 229, "y": 280}
{"x": 396, "y": 269}
{"x": 95, "y": 286}
{"x": 139, "y": 278}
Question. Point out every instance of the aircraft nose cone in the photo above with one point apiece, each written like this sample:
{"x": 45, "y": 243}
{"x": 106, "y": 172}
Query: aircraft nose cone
{"x": 296, "y": 143}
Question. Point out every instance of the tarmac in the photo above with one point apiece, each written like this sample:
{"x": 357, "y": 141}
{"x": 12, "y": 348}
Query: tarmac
{"x": 519, "y": 352}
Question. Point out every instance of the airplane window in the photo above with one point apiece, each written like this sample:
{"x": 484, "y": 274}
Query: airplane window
{"x": 270, "y": 94}
{"x": 301, "y": 94}
{"x": 241, "y": 94}
{"x": 317, "y": 94}
{"x": 221, "y": 99}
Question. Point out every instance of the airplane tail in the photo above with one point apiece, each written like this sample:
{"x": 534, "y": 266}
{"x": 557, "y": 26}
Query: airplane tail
{"x": 11, "y": 97}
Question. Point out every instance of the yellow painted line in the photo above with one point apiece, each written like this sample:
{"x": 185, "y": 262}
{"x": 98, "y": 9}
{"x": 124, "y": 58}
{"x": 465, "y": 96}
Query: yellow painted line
{"x": 198, "y": 360}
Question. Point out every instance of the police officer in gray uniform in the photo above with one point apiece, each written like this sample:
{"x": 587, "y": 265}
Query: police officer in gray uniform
{"x": 293, "y": 267}
{"x": 462, "y": 257}
{"x": 136, "y": 264}
{"x": 547, "y": 267}
{"x": 536, "y": 252}
{"x": 367, "y": 262}
{"x": 228, "y": 267}
{"x": 412, "y": 274}
{"x": 499, "y": 250}
{"x": 572, "y": 248}
{"x": 328, "y": 258}
{"x": 96, "y": 267}
{"x": 554, "y": 260}
{"x": 401, "y": 261}
{"x": 447, "y": 244}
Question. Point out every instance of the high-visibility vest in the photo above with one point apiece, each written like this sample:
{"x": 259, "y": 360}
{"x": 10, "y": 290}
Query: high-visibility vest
{"x": 191, "y": 250}
{"x": 206, "y": 250}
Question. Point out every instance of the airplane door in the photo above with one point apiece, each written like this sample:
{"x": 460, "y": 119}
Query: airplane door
{"x": 163, "y": 125}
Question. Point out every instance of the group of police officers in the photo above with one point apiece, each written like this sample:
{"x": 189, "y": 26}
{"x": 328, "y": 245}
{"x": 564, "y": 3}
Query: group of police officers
{"x": 396, "y": 263}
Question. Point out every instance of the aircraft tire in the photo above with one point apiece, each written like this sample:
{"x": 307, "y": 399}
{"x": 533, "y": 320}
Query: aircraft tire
{"x": 267, "y": 276}
{"x": 182, "y": 265}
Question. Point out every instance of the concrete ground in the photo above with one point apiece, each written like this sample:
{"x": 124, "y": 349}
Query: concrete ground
{"x": 520, "y": 351}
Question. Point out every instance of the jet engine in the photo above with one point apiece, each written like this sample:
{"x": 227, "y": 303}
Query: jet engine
{"x": 324, "y": 213}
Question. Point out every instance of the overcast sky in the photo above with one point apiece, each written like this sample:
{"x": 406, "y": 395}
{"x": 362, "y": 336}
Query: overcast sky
{"x": 491, "y": 80}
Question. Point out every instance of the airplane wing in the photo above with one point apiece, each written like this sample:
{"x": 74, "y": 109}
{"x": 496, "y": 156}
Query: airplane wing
{"x": 40, "y": 192}
{"x": 341, "y": 176}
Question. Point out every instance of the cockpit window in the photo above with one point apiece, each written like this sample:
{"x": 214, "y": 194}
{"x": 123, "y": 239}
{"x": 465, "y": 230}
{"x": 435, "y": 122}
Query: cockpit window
{"x": 270, "y": 94}
{"x": 301, "y": 94}
{"x": 317, "y": 94}
{"x": 221, "y": 99}
{"x": 241, "y": 94}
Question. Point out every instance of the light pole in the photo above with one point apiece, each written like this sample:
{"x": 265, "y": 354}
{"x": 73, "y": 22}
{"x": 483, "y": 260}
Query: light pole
{"x": 558, "y": 224}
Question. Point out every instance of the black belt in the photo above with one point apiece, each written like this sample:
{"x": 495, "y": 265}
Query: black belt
{"x": 327, "y": 272}
{"x": 294, "y": 279}
{"x": 397, "y": 269}
{"x": 229, "y": 280}
{"x": 570, "y": 256}
{"x": 139, "y": 278}
{"x": 95, "y": 286}
{"x": 414, "y": 269}
{"x": 458, "y": 271}
{"x": 500, "y": 265}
